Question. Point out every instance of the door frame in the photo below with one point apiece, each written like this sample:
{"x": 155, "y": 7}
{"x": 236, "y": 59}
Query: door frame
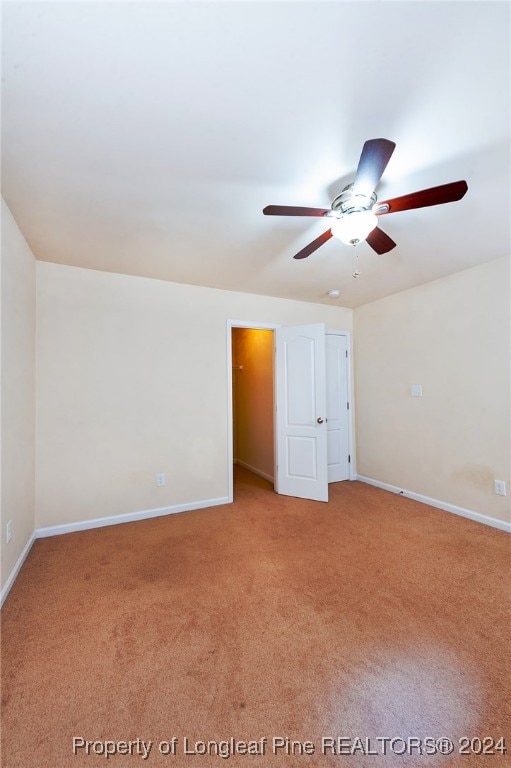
{"x": 230, "y": 447}
{"x": 351, "y": 417}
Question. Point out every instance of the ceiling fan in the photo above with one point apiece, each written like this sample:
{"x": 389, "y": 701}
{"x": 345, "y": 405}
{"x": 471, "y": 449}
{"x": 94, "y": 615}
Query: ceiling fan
{"x": 353, "y": 215}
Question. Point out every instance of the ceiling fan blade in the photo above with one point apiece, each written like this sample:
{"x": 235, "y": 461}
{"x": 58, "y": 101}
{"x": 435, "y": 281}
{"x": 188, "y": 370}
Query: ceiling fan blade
{"x": 376, "y": 153}
{"x": 379, "y": 241}
{"x": 325, "y": 237}
{"x": 445, "y": 193}
{"x": 294, "y": 210}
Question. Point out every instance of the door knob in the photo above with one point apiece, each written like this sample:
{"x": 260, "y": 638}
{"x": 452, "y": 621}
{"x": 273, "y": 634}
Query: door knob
{"x": 320, "y": 420}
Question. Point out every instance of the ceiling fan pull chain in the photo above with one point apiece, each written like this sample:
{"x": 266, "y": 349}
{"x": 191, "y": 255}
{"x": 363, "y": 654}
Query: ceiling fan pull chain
{"x": 356, "y": 271}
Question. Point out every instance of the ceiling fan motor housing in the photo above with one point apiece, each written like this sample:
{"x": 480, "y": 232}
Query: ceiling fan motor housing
{"x": 348, "y": 202}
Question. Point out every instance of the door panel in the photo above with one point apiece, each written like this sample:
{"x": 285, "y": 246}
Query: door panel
{"x": 334, "y": 448}
{"x": 337, "y": 407}
{"x": 301, "y": 400}
{"x": 301, "y": 457}
{"x": 300, "y": 384}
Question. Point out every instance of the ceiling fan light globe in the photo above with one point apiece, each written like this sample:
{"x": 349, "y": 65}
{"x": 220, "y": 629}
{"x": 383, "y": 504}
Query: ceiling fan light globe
{"x": 354, "y": 227}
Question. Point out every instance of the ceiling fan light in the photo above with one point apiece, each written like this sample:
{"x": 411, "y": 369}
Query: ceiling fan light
{"x": 354, "y": 227}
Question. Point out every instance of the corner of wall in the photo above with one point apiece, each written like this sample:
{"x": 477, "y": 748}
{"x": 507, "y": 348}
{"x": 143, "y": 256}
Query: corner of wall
{"x": 17, "y": 348}
{"x": 451, "y": 336}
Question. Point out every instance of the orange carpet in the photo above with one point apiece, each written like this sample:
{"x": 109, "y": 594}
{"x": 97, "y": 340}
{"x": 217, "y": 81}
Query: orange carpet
{"x": 284, "y": 632}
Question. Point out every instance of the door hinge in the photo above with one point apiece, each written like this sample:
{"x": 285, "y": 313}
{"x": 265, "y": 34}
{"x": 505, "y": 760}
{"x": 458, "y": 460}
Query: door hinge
{"x": 349, "y": 459}
{"x": 346, "y": 353}
{"x": 348, "y": 406}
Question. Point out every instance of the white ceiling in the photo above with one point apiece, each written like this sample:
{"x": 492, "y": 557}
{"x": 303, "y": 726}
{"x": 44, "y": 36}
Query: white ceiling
{"x": 146, "y": 138}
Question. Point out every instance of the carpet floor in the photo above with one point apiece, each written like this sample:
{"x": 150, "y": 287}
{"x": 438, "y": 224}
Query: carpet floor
{"x": 284, "y": 632}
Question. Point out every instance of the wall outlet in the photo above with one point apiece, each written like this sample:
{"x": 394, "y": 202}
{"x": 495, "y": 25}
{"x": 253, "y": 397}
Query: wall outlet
{"x": 161, "y": 479}
{"x": 500, "y": 487}
{"x": 8, "y": 531}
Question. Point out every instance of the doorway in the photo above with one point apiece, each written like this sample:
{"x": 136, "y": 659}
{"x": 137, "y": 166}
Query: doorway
{"x": 259, "y": 375}
{"x": 253, "y": 432}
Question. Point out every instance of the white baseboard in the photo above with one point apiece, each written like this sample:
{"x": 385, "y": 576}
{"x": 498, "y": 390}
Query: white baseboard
{"x": 494, "y": 522}
{"x": 12, "y": 576}
{"x": 101, "y": 522}
{"x": 255, "y": 470}
{"x": 129, "y": 517}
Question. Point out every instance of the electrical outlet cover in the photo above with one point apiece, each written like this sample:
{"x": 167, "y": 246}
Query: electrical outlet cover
{"x": 500, "y": 487}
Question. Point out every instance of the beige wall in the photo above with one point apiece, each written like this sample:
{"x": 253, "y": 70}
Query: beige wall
{"x": 451, "y": 336}
{"x": 132, "y": 380}
{"x": 17, "y": 392}
{"x": 253, "y": 399}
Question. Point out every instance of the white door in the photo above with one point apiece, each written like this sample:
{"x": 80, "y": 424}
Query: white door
{"x": 300, "y": 397}
{"x": 337, "y": 406}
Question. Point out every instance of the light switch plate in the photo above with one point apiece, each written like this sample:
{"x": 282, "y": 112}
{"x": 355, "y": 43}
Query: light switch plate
{"x": 416, "y": 390}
